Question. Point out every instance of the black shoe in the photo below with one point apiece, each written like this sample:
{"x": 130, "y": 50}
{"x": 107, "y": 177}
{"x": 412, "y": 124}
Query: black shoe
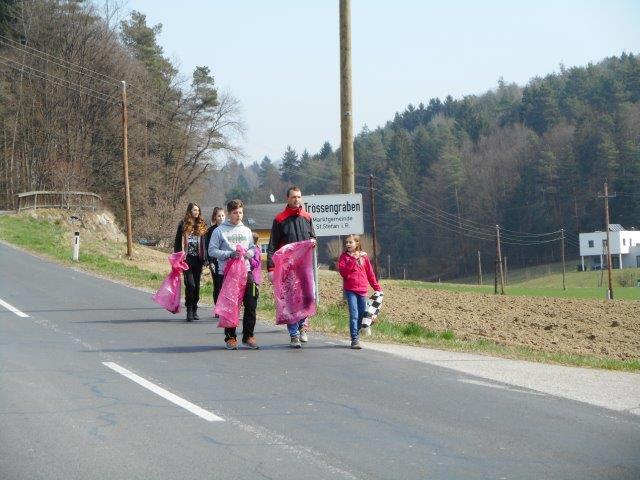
{"x": 189, "y": 314}
{"x": 195, "y": 313}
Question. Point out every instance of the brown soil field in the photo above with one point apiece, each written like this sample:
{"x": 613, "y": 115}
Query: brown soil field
{"x": 570, "y": 326}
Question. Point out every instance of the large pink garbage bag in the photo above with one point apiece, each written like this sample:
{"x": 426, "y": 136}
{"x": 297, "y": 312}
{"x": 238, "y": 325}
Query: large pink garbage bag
{"x": 235, "y": 281}
{"x": 293, "y": 285}
{"x": 168, "y": 295}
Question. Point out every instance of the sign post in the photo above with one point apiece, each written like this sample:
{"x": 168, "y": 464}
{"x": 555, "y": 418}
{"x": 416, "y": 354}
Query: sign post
{"x": 334, "y": 215}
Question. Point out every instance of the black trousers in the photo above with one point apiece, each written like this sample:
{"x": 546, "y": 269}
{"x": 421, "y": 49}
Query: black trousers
{"x": 250, "y": 303}
{"x": 192, "y": 282}
{"x": 217, "y": 284}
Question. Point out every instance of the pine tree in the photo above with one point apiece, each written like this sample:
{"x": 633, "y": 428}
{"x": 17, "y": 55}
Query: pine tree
{"x": 290, "y": 165}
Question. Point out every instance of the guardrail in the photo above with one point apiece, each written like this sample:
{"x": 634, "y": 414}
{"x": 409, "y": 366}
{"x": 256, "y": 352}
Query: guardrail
{"x": 58, "y": 199}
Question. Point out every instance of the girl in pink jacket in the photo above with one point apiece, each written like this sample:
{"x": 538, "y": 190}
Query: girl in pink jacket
{"x": 357, "y": 274}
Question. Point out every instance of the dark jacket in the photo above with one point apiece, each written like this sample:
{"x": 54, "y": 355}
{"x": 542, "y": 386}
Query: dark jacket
{"x": 291, "y": 225}
{"x": 178, "y": 243}
{"x": 213, "y": 262}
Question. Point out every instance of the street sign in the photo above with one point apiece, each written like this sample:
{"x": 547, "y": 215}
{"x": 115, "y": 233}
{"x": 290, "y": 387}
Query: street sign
{"x": 335, "y": 215}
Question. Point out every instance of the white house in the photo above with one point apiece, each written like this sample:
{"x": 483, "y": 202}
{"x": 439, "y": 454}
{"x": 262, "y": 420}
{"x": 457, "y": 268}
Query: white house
{"x": 625, "y": 248}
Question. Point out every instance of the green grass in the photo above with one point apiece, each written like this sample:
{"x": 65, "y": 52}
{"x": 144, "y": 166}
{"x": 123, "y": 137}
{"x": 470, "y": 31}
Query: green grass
{"x": 619, "y": 293}
{"x": 54, "y": 240}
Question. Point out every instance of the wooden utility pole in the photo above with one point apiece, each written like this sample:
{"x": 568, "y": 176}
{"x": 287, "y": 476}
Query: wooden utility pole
{"x": 346, "y": 112}
{"x": 606, "y": 217}
{"x": 506, "y": 270}
{"x": 373, "y": 226}
{"x": 389, "y": 266}
{"x": 479, "y": 269}
{"x": 125, "y": 161}
{"x": 499, "y": 260}
{"x": 564, "y": 286}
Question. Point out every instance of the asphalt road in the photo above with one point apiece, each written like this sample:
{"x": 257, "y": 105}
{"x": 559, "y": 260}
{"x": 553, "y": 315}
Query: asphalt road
{"x": 323, "y": 412}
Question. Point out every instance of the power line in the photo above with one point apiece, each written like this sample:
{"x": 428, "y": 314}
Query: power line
{"x": 76, "y": 68}
{"x": 58, "y": 81}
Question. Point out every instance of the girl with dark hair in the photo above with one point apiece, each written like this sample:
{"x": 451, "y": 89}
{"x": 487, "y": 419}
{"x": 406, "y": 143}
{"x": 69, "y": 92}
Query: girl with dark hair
{"x": 190, "y": 239}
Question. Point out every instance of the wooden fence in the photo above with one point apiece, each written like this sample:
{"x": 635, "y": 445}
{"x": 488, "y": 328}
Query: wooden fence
{"x": 57, "y": 199}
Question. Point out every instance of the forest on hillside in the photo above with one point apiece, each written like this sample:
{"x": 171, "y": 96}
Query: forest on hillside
{"x": 61, "y": 67}
{"x": 532, "y": 159}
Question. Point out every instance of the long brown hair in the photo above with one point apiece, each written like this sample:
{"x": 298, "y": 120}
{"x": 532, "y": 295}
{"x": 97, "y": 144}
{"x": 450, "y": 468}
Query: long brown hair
{"x": 195, "y": 226}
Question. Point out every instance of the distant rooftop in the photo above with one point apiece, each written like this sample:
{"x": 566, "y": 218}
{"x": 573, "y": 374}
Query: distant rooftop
{"x": 260, "y": 217}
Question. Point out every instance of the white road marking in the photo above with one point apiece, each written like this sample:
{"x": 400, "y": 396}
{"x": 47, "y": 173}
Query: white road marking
{"x": 181, "y": 402}
{"x": 493, "y": 385}
{"x": 13, "y": 309}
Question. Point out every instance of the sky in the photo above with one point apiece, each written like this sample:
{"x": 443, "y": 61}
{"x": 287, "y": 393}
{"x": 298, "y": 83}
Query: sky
{"x": 280, "y": 58}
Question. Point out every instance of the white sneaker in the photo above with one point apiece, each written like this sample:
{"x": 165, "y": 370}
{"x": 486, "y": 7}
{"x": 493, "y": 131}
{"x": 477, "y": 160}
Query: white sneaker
{"x": 295, "y": 342}
{"x": 303, "y": 336}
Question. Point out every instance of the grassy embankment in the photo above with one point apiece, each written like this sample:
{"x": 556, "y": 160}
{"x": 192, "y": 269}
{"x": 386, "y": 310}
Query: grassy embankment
{"x": 53, "y": 239}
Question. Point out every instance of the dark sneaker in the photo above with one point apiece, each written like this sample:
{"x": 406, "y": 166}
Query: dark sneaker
{"x": 251, "y": 343}
{"x": 303, "y": 336}
{"x": 195, "y": 314}
{"x": 295, "y": 342}
{"x": 355, "y": 344}
{"x": 189, "y": 314}
{"x": 231, "y": 344}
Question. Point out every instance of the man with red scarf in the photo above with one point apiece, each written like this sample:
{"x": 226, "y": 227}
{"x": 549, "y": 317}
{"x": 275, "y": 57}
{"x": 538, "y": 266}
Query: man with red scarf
{"x": 291, "y": 225}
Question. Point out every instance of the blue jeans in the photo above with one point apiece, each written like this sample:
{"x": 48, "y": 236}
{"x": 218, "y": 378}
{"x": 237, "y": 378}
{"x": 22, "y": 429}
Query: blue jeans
{"x": 357, "y": 306}
{"x": 294, "y": 328}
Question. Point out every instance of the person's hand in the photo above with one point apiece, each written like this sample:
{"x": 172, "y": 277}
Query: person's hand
{"x": 234, "y": 255}
{"x": 270, "y": 275}
{"x": 313, "y": 242}
{"x": 248, "y": 255}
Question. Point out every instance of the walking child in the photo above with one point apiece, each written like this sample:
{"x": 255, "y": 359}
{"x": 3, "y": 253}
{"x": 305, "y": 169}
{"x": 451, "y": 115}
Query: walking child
{"x": 190, "y": 239}
{"x": 217, "y": 218}
{"x": 222, "y": 246}
{"x": 357, "y": 274}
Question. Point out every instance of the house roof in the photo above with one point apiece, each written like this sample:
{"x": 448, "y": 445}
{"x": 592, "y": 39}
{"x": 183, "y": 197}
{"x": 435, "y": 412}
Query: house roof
{"x": 260, "y": 217}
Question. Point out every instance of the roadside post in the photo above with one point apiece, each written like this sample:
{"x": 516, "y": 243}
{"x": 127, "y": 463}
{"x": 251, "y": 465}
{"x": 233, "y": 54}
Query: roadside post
{"x": 76, "y": 246}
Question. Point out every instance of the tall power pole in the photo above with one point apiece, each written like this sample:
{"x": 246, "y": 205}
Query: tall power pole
{"x": 346, "y": 112}
{"x": 564, "y": 286}
{"x": 125, "y": 162}
{"x": 606, "y": 219}
{"x": 499, "y": 258}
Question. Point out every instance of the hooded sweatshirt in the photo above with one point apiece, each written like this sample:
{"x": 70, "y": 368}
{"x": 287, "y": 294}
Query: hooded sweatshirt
{"x": 356, "y": 277}
{"x": 224, "y": 240}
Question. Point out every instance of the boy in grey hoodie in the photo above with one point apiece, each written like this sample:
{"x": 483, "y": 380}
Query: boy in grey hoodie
{"x": 223, "y": 247}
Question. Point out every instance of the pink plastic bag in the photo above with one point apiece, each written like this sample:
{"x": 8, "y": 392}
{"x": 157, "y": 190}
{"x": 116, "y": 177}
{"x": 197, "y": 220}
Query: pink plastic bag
{"x": 293, "y": 284}
{"x": 235, "y": 281}
{"x": 168, "y": 295}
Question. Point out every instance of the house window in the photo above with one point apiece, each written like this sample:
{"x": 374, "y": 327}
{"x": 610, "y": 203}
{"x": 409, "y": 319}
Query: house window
{"x": 624, "y": 241}
{"x": 263, "y": 248}
{"x": 604, "y": 242}
{"x": 590, "y": 243}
